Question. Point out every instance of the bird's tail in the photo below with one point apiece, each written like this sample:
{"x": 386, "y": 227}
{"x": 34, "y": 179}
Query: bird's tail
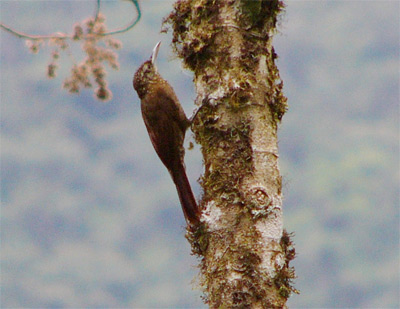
{"x": 186, "y": 197}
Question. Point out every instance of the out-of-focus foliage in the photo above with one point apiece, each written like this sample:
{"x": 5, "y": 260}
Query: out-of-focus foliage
{"x": 96, "y": 42}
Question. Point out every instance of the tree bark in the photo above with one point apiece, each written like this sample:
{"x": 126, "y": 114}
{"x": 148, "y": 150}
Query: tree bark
{"x": 244, "y": 250}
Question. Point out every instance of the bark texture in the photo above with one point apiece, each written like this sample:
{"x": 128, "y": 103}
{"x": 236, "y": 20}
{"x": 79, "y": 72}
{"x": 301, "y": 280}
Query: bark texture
{"x": 244, "y": 250}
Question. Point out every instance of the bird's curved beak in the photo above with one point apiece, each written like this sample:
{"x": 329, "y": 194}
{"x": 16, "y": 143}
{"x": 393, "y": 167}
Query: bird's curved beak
{"x": 155, "y": 53}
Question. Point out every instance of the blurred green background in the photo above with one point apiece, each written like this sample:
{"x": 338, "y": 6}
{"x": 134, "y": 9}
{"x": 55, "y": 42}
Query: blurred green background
{"x": 90, "y": 217}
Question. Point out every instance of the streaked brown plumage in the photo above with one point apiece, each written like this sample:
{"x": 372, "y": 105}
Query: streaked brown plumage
{"x": 166, "y": 124}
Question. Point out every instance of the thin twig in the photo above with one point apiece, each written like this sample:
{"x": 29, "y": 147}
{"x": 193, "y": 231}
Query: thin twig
{"x": 34, "y": 37}
{"x": 96, "y": 16}
{"x": 132, "y": 24}
{"x": 68, "y": 36}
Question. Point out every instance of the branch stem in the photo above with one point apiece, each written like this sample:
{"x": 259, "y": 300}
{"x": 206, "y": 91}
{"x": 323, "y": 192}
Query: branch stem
{"x": 69, "y": 36}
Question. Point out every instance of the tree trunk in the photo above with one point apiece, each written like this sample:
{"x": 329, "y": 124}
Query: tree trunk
{"x": 244, "y": 250}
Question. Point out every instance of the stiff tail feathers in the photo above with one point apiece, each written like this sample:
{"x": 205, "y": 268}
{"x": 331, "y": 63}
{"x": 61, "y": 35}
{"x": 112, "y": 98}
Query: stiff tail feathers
{"x": 185, "y": 193}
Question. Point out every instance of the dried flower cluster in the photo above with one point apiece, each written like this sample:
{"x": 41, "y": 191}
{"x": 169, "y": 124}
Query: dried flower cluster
{"x": 33, "y": 46}
{"x": 98, "y": 48}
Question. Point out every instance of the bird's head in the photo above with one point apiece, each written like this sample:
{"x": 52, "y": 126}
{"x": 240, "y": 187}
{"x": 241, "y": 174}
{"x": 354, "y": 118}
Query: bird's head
{"x": 147, "y": 73}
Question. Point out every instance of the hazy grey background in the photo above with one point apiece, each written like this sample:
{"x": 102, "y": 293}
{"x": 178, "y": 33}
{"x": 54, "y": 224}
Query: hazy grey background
{"x": 90, "y": 217}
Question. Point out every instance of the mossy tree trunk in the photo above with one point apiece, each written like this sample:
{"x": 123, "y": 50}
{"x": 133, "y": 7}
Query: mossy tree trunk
{"x": 244, "y": 250}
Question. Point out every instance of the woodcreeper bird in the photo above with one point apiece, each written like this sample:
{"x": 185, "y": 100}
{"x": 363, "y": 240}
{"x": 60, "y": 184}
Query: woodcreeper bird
{"x": 166, "y": 124}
